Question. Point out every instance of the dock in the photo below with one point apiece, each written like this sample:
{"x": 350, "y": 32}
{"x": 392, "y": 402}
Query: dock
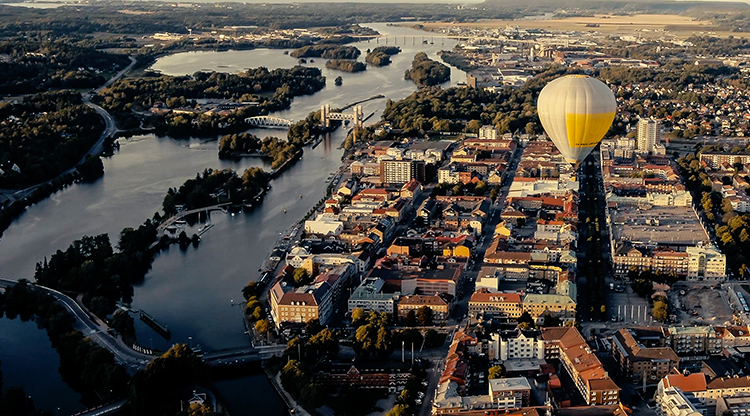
{"x": 156, "y": 326}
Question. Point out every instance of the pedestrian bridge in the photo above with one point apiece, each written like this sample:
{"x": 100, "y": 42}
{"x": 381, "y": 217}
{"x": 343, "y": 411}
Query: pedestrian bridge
{"x": 269, "y": 121}
{"x": 240, "y": 356}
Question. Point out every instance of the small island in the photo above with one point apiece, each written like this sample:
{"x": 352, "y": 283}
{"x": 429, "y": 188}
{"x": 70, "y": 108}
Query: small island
{"x": 346, "y": 65}
{"x": 381, "y": 56}
{"x": 246, "y": 144}
{"x": 427, "y": 72}
{"x": 327, "y": 52}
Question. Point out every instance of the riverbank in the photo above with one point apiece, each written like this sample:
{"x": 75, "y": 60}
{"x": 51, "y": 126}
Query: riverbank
{"x": 292, "y": 406}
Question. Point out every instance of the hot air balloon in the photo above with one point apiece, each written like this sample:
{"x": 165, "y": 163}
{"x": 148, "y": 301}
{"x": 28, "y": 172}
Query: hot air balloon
{"x": 576, "y": 112}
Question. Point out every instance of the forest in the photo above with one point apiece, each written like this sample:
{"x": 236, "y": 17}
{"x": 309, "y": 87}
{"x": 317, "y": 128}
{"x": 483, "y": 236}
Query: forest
{"x": 44, "y": 135}
{"x": 326, "y": 51}
{"x": 346, "y": 65}
{"x": 427, "y": 72}
{"x": 467, "y": 109}
{"x": 381, "y": 56}
{"x": 38, "y": 64}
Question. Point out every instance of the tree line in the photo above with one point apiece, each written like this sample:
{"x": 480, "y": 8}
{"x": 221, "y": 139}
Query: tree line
{"x": 732, "y": 229}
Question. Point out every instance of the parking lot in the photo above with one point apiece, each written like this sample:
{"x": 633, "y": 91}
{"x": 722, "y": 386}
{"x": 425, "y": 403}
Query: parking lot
{"x": 700, "y": 304}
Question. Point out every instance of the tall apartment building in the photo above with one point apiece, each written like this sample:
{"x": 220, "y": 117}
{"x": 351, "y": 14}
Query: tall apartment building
{"x": 488, "y": 133}
{"x": 401, "y": 171}
{"x": 648, "y": 135}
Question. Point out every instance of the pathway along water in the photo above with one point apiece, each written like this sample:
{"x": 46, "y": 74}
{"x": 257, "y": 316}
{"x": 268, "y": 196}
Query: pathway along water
{"x": 196, "y": 293}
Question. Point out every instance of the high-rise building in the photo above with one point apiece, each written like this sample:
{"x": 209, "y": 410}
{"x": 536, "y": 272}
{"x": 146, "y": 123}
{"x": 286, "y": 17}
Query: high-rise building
{"x": 401, "y": 171}
{"x": 648, "y": 135}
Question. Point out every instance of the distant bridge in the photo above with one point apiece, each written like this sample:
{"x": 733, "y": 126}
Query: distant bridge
{"x": 171, "y": 220}
{"x": 356, "y": 116}
{"x": 269, "y": 121}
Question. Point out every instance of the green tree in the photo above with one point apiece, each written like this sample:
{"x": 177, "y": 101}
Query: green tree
{"x": 262, "y": 327}
{"x": 301, "y": 277}
{"x": 325, "y": 342}
{"x": 399, "y": 410}
{"x": 359, "y": 316}
{"x": 497, "y": 371}
{"x": 250, "y": 290}
{"x": 313, "y": 326}
{"x": 197, "y": 409}
{"x": 432, "y": 339}
{"x": 526, "y": 318}
{"x": 384, "y": 344}
{"x": 411, "y": 318}
{"x": 424, "y": 315}
{"x": 550, "y": 320}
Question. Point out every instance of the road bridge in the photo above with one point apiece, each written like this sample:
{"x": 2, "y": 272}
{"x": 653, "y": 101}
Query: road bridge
{"x": 240, "y": 356}
{"x": 269, "y": 121}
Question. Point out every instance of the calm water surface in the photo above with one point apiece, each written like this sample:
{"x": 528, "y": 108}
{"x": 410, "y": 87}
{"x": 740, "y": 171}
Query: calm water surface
{"x": 29, "y": 361}
{"x": 196, "y": 292}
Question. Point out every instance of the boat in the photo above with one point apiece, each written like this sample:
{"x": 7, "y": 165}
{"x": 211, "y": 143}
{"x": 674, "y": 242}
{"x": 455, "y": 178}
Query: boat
{"x": 284, "y": 210}
{"x": 300, "y": 195}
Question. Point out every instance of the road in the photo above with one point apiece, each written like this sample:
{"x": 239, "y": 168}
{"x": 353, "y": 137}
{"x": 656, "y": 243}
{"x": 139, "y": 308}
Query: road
{"x": 110, "y": 129}
{"x": 124, "y": 355}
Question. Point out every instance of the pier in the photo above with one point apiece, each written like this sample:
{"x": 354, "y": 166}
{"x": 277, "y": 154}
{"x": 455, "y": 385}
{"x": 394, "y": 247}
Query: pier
{"x": 156, "y": 326}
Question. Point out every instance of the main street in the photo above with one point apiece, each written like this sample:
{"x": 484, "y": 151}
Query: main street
{"x": 460, "y": 314}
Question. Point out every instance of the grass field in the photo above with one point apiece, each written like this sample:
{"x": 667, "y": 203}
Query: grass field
{"x": 645, "y": 25}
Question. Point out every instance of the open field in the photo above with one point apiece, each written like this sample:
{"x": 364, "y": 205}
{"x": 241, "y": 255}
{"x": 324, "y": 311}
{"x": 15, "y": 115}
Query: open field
{"x": 646, "y": 25}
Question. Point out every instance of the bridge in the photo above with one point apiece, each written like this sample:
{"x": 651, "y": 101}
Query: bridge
{"x": 171, "y": 220}
{"x": 269, "y": 121}
{"x": 355, "y": 115}
{"x": 240, "y": 356}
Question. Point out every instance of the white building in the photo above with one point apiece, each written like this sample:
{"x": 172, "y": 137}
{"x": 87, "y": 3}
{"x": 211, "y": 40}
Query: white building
{"x": 324, "y": 226}
{"x": 706, "y": 262}
{"x": 488, "y": 132}
{"x": 673, "y": 402}
{"x": 369, "y": 296}
{"x": 515, "y": 344}
{"x": 648, "y": 135}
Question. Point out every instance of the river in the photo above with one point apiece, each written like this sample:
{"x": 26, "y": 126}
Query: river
{"x": 196, "y": 292}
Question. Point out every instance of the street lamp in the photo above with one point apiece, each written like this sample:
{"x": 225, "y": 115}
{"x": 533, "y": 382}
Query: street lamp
{"x": 190, "y": 340}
